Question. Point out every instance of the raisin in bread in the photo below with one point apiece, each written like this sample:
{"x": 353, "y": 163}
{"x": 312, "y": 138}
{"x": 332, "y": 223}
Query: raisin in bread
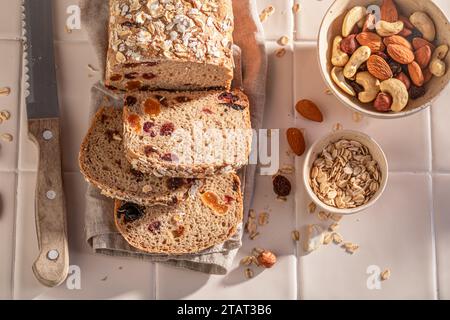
{"x": 103, "y": 163}
{"x": 189, "y": 134}
{"x": 209, "y": 216}
{"x": 170, "y": 44}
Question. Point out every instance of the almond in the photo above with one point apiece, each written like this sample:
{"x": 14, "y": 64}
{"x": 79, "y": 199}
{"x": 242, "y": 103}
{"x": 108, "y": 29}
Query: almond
{"x": 397, "y": 40}
{"x": 371, "y": 40}
{"x": 400, "y": 53}
{"x": 420, "y": 42}
{"x": 309, "y": 110}
{"x": 406, "y": 22}
{"x": 427, "y": 75}
{"x": 389, "y": 11}
{"x": 416, "y": 74}
{"x": 296, "y": 141}
{"x": 423, "y": 56}
{"x": 379, "y": 68}
{"x": 405, "y": 79}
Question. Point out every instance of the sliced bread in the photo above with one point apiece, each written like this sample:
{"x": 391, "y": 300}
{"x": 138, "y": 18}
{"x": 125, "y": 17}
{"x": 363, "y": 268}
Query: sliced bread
{"x": 187, "y": 134}
{"x": 102, "y": 162}
{"x": 208, "y": 217}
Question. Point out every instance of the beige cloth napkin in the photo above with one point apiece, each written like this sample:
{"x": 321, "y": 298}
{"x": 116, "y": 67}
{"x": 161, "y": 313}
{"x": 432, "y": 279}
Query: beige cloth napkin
{"x": 101, "y": 233}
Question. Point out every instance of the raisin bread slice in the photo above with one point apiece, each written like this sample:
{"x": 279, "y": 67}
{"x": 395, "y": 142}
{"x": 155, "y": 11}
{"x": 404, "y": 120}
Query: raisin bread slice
{"x": 187, "y": 134}
{"x": 170, "y": 44}
{"x": 102, "y": 162}
{"x": 209, "y": 216}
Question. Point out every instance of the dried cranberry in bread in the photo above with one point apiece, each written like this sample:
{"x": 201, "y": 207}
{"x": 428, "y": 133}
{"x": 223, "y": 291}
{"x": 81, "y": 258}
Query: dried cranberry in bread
{"x": 171, "y": 44}
{"x": 187, "y": 134}
{"x": 102, "y": 162}
{"x": 208, "y": 217}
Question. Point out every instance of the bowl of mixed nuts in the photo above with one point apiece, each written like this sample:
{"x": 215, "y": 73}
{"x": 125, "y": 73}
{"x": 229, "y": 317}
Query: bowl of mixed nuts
{"x": 345, "y": 172}
{"x": 385, "y": 58}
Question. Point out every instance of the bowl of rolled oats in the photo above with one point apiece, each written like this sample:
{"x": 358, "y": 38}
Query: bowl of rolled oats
{"x": 345, "y": 172}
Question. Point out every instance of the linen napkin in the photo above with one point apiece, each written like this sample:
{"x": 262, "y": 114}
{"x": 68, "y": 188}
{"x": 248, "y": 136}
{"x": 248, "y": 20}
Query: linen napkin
{"x": 251, "y": 64}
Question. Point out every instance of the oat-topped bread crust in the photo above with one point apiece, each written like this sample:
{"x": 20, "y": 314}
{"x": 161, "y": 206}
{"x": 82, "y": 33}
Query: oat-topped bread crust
{"x": 208, "y": 217}
{"x": 170, "y": 44}
{"x": 103, "y": 163}
{"x": 187, "y": 134}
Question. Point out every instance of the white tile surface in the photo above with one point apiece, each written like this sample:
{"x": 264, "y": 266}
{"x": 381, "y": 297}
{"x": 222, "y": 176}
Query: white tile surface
{"x": 407, "y": 150}
{"x": 441, "y": 187}
{"x": 7, "y": 217}
{"x": 308, "y": 20}
{"x": 10, "y": 25}
{"x": 440, "y": 117}
{"x": 10, "y": 57}
{"x": 101, "y": 277}
{"x": 394, "y": 234}
{"x": 281, "y": 22}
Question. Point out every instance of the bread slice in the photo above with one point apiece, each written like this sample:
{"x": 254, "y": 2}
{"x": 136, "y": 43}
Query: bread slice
{"x": 176, "y": 45}
{"x": 208, "y": 217}
{"x": 102, "y": 162}
{"x": 187, "y": 134}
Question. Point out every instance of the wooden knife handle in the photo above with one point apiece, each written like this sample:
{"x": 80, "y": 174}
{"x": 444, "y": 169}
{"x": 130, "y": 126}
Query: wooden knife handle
{"x": 52, "y": 264}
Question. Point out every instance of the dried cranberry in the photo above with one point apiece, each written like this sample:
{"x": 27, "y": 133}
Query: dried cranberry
{"x": 149, "y": 150}
{"x": 381, "y": 54}
{"x": 103, "y": 118}
{"x": 154, "y": 226}
{"x": 139, "y": 176}
{"x": 416, "y": 92}
{"x": 175, "y": 183}
{"x": 131, "y": 75}
{"x": 234, "y": 106}
{"x": 236, "y": 185}
{"x": 148, "y": 76}
{"x": 130, "y": 211}
{"x": 130, "y": 101}
{"x": 145, "y": 88}
{"x": 169, "y": 157}
{"x": 130, "y": 24}
{"x": 207, "y": 110}
{"x": 115, "y": 77}
{"x": 167, "y": 129}
{"x": 363, "y": 67}
{"x": 137, "y": 64}
{"x": 182, "y": 99}
{"x": 112, "y": 88}
{"x": 148, "y": 126}
{"x": 110, "y": 134}
{"x": 228, "y": 97}
{"x": 162, "y": 100}
{"x": 228, "y": 199}
{"x": 395, "y": 67}
{"x": 357, "y": 87}
{"x": 415, "y": 34}
{"x": 178, "y": 232}
{"x": 281, "y": 186}
{"x": 133, "y": 85}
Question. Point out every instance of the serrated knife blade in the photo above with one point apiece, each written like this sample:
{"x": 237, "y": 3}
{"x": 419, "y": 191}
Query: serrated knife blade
{"x": 52, "y": 264}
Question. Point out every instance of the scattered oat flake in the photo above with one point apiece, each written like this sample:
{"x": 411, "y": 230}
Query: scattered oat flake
{"x": 323, "y": 216}
{"x": 295, "y": 235}
{"x": 338, "y": 127}
{"x": 334, "y": 227}
{"x": 263, "y": 218}
{"x": 251, "y": 213}
{"x": 336, "y": 217}
{"x": 257, "y": 251}
{"x": 357, "y": 117}
{"x": 281, "y": 199}
{"x": 267, "y": 12}
{"x": 7, "y": 137}
{"x": 337, "y": 238}
{"x": 350, "y": 247}
{"x": 249, "y": 273}
{"x": 385, "y": 275}
{"x": 104, "y": 278}
{"x": 92, "y": 68}
{"x": 280, "y": 52}
{"x": 296, "y": 8}
{"x": 283, "y": 41}
{"x": 328, "y": 92}
{"x": 312, "y": 207}
{"x": 287, "y": 169}
{"x": 246, "y": 261}
{"x": 327, "y": 238}
{"x": 68, "y": 30}
{"x": 5, "y": 91}
{"x": 254, "y": 235}
{"x": 5, "y": 115}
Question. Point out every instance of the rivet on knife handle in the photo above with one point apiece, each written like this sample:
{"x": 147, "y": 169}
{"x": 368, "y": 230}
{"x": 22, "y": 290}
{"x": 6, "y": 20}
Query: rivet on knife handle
{"x": 51, "y": 266}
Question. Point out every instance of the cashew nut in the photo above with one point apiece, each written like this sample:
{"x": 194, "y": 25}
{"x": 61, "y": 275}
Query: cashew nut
{"x": 371, "y": 87}
{"x": 388, "y": 29}
{"x": 338, "y": 77}
{"x": 398, "y": 92}
{"x": 338, "y": 57}
{"x": 437, "y": 65}
{"x": 351, "y": 19}
{"x": 424, "y": 24}
{"x": 361, "y": 55}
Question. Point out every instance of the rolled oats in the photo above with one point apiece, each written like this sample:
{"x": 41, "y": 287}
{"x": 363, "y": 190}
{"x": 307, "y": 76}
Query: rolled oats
{"x": 295, "y": 235}
{"x": 350, "y": 247}
{"x": 334, "y": 227}
{"x": 312, "y": 207}
{"x": 323, "y": 216}
{"x": 385, "y": 275}
{"x": 7, "y": 137}
{"x": 280, "y": 52}
{"x": 337, "y": 238}
{"x": 283, "y": 41}
{"x": 345, "y": 175}
{"x": 5, "y": 115}
{"x": 327, "y": 238}
{"x": 254, "y": 235}
{"x": 267, "y": 12}
{"x": 263, "y": 218}
{"x": 249, "y": 273}
{"x": 5, "y": 91}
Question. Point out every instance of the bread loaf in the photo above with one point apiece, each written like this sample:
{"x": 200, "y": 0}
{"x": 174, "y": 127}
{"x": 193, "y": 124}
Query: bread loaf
{"x": 170, "y": 44}
{"x": 208, "y": 217}
{"x": 187, "y": 134}
{"x": 102, "y": 162}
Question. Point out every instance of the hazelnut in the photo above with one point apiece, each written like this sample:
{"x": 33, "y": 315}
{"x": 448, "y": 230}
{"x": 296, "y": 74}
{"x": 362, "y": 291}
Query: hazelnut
{"x": 267, "y": 259}
{"x": 349, "y": 44}
{"x": 383, "y": 102}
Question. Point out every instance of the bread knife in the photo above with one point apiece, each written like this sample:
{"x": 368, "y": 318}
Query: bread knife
{"x": 52, "y": 264}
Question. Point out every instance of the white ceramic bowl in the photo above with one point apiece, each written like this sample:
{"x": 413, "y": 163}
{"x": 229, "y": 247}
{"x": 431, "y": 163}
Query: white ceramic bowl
{"x": 332, "y": 26}
{"x": 376, "y": 152}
